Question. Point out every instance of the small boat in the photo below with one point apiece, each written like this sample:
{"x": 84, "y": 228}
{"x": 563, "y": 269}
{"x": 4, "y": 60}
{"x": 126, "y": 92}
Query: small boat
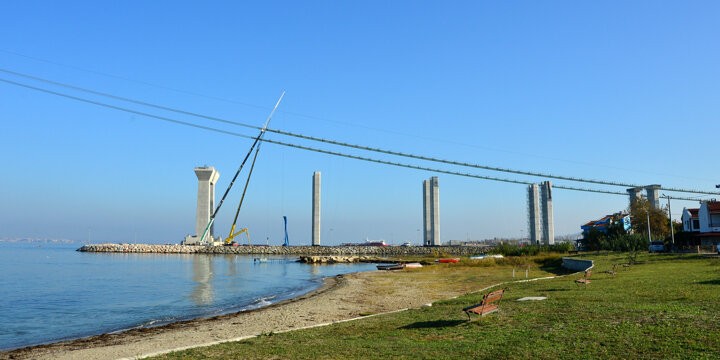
{"x": 390, "y": 266}
{"x": 480, "y": 257}
{"x": 448, "y": 260}
{"x": 413, "y": 265}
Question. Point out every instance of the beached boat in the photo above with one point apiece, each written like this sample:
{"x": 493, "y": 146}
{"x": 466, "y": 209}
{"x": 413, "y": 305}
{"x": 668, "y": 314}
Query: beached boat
{"x": 390, "y": 266}
{"x": 413, "y": 265}
{"x": 448, "y": 260}
{"x": 482, "y": 256}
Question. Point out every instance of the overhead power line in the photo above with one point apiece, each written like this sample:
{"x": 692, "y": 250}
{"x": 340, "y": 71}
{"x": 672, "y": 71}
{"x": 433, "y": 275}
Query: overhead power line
{"x": 307, "y": 137}
{"x": 296, "y": 146}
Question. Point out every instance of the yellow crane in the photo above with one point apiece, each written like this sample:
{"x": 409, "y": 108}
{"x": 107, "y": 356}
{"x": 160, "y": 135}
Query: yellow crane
{"x": 229, "y": 240}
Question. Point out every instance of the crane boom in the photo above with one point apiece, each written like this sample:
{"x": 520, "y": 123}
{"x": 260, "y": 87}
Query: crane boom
{"x": 252, "y": 147}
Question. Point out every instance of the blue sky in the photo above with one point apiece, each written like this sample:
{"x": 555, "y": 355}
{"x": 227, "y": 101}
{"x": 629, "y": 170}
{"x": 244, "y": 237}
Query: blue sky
{"x": 621, "y": 91}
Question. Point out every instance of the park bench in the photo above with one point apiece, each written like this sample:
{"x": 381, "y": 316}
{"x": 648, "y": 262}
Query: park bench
{"x": 585, "y": 279}
{"x": 488, "y": 305}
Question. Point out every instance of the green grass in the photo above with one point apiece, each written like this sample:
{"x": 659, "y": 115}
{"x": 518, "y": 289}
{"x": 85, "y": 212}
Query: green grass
{"x": 666, "y": 306}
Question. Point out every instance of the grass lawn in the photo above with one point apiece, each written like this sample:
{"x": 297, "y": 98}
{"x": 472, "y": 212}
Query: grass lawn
{"x": 665, "y": 307}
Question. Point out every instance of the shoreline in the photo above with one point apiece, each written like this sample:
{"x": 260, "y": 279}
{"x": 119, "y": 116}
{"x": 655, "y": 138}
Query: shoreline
{"x": 340, "y": 298}
{"x": 120, "y": 336}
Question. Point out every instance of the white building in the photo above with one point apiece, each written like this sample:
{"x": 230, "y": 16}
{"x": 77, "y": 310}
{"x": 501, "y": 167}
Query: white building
{"x": 704, "y": 221}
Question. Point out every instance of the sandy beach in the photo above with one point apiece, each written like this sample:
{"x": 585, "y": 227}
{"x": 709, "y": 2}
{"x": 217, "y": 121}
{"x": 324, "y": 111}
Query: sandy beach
{"x": 341, "y": 298}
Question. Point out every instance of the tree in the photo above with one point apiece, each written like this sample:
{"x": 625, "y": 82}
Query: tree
{"x": 639, "y": 210}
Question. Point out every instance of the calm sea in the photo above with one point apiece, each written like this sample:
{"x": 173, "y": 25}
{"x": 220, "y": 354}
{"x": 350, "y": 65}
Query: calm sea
{"x": 51, "y": 292}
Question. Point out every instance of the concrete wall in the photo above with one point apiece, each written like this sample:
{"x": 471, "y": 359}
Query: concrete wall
{"x": 576, "y": 264}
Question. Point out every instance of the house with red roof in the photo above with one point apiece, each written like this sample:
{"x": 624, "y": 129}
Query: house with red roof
{"x": 606, "y": 221}
{"x": 704, "y": 221}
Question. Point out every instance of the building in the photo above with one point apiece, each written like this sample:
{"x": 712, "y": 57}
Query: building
{"x": 606, "y": 221}
{"x": 690, "y": 220}
{"x": 704, "y": 222}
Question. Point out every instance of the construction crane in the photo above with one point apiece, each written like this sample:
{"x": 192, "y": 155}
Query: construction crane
{"x": 252, "y": 147}
{"x": 229, "y": 241}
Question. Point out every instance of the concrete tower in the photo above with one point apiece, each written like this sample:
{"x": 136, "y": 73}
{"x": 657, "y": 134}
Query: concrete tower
{"x": 435, "y": 211}
{"x": 533, "y": 214}
{"x": 653, "y": 195}
{"x": 547, "y": 210}
{"x": 316, "y": 209}
{"x": 207, "y": 177}
{"x": 634, "y": 194}
{"x": 431, "y": 212}
{"x": 427, "y": 233}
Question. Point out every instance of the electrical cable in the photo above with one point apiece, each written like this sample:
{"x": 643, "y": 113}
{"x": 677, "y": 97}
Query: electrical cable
{"x": 333, "y": 142}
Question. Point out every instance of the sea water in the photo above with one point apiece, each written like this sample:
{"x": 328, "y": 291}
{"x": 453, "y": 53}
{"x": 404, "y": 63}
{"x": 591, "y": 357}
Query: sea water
{"x": 51, "y": 292}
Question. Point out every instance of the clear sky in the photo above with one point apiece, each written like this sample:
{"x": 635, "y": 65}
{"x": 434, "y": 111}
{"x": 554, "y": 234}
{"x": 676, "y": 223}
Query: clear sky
{"x": 617, "y": 90}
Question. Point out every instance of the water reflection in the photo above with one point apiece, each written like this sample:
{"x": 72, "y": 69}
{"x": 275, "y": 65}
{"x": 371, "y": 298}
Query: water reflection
{"x": 202, "y": 293}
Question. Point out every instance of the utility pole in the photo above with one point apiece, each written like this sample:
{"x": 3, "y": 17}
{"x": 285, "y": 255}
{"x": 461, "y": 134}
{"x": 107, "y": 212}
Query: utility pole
{"x": 672, "y": 229}
{"x": 648, "y": 224}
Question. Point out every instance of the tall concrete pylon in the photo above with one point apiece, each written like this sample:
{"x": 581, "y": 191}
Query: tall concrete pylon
{"x": 431, "y": 212}
{"x": 207, "y": 177}
{"x": 435, "y": 213}
{"x": 653, "y": 195}
{"x": 427, "y": 234}
{"x": 534, "y": 224}
{"x": 316, "y": 209}
{"x": 547, "y": 210}
{"x": 634, "y": 193}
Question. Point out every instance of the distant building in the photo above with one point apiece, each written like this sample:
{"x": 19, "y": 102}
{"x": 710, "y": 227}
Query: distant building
{"x": 690, "y": 220}
{"x": 604, "y": 223}
{"x": 704, "y": 222}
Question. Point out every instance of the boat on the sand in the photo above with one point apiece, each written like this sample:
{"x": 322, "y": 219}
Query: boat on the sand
{"x": 390, "y": 266}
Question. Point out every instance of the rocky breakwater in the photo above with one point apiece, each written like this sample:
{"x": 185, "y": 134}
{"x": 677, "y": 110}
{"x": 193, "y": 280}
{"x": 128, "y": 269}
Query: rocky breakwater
{"x": 385, "y": 251}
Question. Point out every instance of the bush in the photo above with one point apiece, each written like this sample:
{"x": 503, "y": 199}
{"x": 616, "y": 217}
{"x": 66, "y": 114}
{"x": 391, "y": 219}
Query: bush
{"x": 532, "y": 250}
{"x": 596, "y": 241}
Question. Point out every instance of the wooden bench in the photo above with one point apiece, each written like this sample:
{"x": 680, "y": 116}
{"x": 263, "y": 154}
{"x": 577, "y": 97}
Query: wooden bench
{"x": 585, "y": 279}
{"x": 488, "y": 305}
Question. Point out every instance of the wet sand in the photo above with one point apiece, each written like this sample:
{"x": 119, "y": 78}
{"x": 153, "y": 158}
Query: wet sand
{"x": 341, "y": 298}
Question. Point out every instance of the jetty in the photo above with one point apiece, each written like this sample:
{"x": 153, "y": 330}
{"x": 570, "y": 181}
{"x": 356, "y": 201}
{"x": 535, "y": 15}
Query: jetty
{"x": 390, "y": 251}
